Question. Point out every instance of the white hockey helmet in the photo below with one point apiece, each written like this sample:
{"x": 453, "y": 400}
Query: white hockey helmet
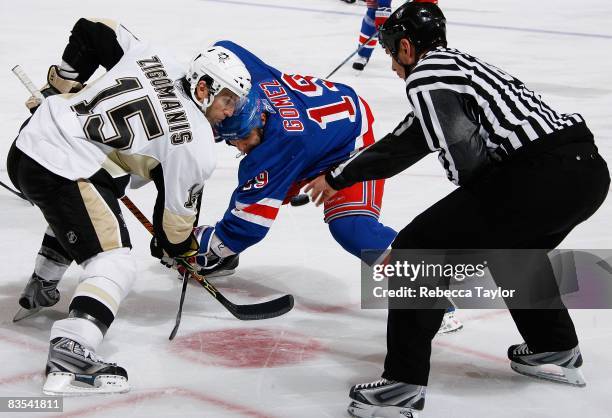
{"x": 220, "y": 68}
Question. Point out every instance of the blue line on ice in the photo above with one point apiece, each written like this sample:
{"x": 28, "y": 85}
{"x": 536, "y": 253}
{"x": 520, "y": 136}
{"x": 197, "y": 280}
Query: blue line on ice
{"x": 471, "y": 25}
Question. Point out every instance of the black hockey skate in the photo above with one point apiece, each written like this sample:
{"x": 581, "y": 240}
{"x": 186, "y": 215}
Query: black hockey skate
{"x": 386, "y": 399}
{"x": 360, "y": 63}
{"x": 38, "y": 293}
{"x": 226, "y": 267}
{"x": 73, "y": 370}
{"x": 557, "y": 366}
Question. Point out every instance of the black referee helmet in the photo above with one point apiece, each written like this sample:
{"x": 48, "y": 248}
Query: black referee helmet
{"x": 423, "y": 24}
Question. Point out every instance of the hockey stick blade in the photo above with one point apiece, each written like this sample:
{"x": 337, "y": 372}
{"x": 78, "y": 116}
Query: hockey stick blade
{"x": 180, "y": 309}
{"x": 247, "y": 312}
{"x": 263, "y": 310}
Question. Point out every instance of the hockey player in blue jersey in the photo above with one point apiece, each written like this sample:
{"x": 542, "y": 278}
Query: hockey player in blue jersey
{"x": 292, "y": 128}
{"x": 377, "y": 13}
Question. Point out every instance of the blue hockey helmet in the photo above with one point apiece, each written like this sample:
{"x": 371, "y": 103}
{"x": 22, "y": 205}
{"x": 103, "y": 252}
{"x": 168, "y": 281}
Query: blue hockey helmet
{"x": 247, "y": 118}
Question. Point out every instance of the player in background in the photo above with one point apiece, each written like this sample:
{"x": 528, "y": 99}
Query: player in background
{"x": 144, "y": 119}
{"x": 376, "y": 15}
{"x": 292, "y": 128}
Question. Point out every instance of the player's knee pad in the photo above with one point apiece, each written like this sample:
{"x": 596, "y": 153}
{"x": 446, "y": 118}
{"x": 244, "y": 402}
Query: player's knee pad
{"x": 106, "y": 281}
{"x": 357, "y": 233}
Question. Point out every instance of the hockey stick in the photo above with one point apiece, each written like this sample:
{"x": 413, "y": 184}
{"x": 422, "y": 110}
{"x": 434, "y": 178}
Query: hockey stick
{"x": 352, "y": 55}
{"x": 15, "y": 192}
{"x": 180, "y": 308}
{"x": 263, "y": 310}
{"x": 26, "y": 81}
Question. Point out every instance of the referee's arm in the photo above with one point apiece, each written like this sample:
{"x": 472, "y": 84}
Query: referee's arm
{"x": 391, "y": 155}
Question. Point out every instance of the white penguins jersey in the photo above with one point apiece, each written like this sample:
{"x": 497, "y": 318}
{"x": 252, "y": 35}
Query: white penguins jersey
{"x": 136, "y": 118}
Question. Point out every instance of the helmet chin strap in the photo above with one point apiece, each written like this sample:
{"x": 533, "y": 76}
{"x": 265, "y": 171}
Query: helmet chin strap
{"x": 205, "y": 104}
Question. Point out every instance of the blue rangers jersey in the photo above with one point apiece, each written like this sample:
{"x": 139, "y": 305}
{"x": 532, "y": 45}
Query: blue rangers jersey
{"x": 312, "y": 125}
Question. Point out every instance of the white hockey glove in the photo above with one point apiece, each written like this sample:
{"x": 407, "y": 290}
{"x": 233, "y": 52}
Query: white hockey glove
{"x": 212, "y": 249}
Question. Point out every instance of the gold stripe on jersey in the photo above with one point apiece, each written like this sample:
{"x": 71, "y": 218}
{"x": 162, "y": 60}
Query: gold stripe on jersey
{"x": 87, "y": 289}
{"x": 114, "y": 169}
{"x": 134, "y": 163}
{"x": 177, "y": 227}
{"x": 101, "y": 216}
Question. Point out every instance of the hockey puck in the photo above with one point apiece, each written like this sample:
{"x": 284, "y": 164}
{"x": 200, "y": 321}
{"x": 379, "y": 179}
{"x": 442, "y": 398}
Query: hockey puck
{"x": 300, "y": 200}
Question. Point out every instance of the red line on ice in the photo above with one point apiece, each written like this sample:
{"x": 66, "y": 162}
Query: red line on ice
{"x": 23, "y": 343}
{"x": 20, "y": 377}
{"x": 485, "y": 315}
{"x": 471, "y": 352}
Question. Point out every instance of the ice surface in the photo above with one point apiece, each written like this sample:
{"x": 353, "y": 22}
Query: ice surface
{"x": 302, "y": 365}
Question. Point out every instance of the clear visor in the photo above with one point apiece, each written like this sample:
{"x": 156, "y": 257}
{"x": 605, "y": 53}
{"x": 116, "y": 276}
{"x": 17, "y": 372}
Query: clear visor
{"x": 229, "y": 101}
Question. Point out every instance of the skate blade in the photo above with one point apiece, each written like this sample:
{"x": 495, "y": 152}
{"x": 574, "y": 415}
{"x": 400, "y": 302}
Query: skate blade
{"x": 450, "y": 330}
{"x": 64, "y": 384}
{"x": 573, "y": 377}
{"x": 361, "y": 410}
{"x": 24, "y": 313}
{"x": 450, "y": 324}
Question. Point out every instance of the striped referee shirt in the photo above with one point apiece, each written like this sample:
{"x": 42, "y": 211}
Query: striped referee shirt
{"x": 468, "y": 111}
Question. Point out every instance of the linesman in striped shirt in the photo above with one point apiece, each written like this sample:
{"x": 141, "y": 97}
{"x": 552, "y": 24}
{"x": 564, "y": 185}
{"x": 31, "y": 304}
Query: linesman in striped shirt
{"x": 527, "y": 175}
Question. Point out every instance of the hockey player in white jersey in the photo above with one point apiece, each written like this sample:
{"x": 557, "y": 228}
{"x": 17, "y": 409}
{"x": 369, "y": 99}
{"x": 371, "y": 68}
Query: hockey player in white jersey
{"x": 144, "y": 119}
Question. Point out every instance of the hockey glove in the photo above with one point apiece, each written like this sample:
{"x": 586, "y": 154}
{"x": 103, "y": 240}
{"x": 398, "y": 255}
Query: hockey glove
{"x": 56, "y": 84}
{"x": 183, "y": 263}
{"x": 206, "y": 258}
{"x": 214, "y": 256}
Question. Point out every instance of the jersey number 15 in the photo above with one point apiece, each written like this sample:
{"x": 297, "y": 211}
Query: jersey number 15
{"x": 119, "y": 115}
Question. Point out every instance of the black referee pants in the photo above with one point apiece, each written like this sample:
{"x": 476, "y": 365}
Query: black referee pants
{"x": 529, "y": 202}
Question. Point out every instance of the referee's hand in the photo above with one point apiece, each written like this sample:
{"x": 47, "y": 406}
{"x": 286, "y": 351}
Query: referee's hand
{"x": 320, "y": 190}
